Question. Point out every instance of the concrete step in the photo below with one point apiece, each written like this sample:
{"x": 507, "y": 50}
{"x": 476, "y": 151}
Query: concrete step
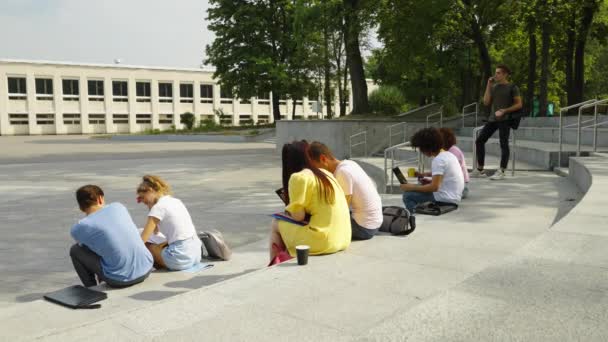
{"x": 551, "y": 135}
{"x": 537, "y": 153}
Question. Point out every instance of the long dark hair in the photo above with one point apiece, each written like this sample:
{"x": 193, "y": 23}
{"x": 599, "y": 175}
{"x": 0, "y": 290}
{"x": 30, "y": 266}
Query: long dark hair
{"x": 296, "y": 157}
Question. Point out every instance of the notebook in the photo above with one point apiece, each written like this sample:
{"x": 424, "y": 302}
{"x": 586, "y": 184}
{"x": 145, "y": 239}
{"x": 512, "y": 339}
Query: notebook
{"x": 76, "y": 297}
{"x": 284, "y": 217}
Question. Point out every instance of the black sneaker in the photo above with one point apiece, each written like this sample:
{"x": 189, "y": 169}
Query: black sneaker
{"x": 412, "y": 222}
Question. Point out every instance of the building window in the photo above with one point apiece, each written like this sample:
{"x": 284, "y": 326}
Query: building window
{"x": 142, "y": 90}
{"x": 95, "y": 90}
{"x": 165, "y": 118}
{"x": 120, "y": 119}
{"x": 17, "y": 89}
{"x": 97, "y": 119}
{"x": 71, "y": 119}
{"x": 120, "y": 91}
{"x": 206, "y": 93}
{"x": 45, "y": 119}
{"x": 225, "y": 95}
{"x": 71, "y": 90}
{"x": 186, "y": 93}
{"x": 18, "y": 119}
{"x": 165, "y": 92}
{"x": 143, "y": 118}
{"x": 44, "y": 89}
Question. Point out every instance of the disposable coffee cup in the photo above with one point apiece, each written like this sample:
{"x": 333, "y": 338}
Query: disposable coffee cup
{"x": 411, "y": 172}
{"x": 302, "y": 252}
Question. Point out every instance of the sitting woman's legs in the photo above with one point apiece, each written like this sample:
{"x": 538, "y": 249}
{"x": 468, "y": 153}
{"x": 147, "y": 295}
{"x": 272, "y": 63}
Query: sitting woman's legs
{"x": 412, "y": 198}
{"x": 275, "y": 239}
{"x": 157, "y": 251}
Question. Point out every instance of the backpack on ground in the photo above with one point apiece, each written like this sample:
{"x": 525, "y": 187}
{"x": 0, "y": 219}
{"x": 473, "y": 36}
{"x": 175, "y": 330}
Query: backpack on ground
{"x": 214, "y": 245}
{"x": 396, "y": 221}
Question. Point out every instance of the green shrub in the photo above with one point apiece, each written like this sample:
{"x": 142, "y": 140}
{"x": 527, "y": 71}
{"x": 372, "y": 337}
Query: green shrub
{"x": 386, "y": 100}
{"x": 187, "y": 119}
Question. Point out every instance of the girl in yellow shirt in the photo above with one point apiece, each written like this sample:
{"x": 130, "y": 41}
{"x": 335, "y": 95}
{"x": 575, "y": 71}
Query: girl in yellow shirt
{"x": 315, "y": 192}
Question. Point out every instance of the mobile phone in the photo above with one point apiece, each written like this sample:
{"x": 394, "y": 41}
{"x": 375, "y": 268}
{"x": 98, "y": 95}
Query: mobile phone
{"x": 399, "y": 175}
{"x": 281, "y": 193}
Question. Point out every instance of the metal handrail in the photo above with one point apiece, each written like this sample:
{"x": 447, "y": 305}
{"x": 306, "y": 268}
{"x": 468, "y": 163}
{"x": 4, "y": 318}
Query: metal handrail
{"x": 391, "y": 135}
{"x": 391, "y": 150}
{"x": 412, "y": 111}
{"x": 576, "y": 123}
{"x": 561, "y": 126}
{"x": 364, "y": 142}
{"x": 578, "y": 132}
{"x": 440, "y": 113}
{"x": 476, "y": 105}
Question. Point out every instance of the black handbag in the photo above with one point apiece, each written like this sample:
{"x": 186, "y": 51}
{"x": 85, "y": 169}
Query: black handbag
{"x": 395, "y": 220}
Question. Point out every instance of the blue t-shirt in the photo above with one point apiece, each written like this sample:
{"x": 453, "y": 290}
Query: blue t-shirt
{"x": 111, "y": 234}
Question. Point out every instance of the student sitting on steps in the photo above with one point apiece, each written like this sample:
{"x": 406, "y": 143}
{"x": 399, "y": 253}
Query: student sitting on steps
{"x": 108, "y": 244}
{"x": 361, "y": 193}
{"x": 169, "y": 216}
{"x": 315, "y": 192}
{"x": 447, "y": 183}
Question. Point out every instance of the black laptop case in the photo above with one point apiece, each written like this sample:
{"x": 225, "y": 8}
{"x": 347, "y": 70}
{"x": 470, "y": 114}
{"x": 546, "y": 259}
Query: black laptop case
{"x": 76, "y": 297}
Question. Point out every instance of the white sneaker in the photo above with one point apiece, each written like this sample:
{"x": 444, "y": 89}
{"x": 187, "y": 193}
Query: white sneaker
{"x": 498, "y": 175}
{"x": 477, "y": 174}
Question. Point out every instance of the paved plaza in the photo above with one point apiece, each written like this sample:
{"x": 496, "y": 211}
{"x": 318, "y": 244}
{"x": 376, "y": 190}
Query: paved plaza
{"x": 38, "y": 177}
{"x": 514, "y": 263}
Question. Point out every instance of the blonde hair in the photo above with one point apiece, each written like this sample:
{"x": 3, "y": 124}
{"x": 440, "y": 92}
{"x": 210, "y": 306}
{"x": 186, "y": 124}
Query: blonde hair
{"x": 150, "y": 182}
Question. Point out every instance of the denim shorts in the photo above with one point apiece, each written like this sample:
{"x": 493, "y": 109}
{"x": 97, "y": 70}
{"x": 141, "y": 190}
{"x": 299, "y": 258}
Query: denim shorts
{"x": 182, "y": 254}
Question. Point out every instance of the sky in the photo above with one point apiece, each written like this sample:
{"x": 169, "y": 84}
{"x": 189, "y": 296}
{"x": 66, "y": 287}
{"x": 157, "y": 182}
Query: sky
{"x": 138, "y": 32}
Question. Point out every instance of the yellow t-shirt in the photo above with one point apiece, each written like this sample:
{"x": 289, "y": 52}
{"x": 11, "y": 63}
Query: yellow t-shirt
{"x": 329, "y": 228}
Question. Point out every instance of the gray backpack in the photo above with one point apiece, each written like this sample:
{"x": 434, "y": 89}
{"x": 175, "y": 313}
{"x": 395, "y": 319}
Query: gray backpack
{"x": 214, "y": 244}
{"x": 396, "y": 221}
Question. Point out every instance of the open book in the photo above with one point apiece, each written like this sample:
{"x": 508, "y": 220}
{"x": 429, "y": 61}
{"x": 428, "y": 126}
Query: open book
{"x": 157, "y": 238}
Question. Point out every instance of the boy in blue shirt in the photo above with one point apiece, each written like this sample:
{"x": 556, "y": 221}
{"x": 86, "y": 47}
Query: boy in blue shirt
{"x": 108, "y": 243}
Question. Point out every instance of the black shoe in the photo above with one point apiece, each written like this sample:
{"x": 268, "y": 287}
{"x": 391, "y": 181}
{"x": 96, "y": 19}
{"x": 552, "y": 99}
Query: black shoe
{"x": 412, "y": 222}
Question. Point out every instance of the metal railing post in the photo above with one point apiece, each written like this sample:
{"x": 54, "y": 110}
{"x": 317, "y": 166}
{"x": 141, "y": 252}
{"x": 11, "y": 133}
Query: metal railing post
{"x": 385, "y": 169}
{"x": 476, "y": 112}
{"x": 561, "y": 126}
{"x": 350, "y": 147}
{"x": 578, "y": 132}
{"x": 365, "y": 144}
{"x": 595, "y": 129}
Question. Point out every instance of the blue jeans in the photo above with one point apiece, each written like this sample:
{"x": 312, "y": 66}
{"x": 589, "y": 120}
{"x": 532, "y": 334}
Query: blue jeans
{"x": 412, "y": 198}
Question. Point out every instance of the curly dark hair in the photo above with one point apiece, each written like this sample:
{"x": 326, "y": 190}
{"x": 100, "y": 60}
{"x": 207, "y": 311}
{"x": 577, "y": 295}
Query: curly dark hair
{"x": 428, "y": 140}
{"x": 449, "y": 139}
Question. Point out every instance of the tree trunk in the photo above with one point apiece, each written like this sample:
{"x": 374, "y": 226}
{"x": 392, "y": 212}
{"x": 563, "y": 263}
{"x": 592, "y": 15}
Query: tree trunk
{"x": 327, "y": 71}
{"x": 532, "y": 57}
{"x": 544, "y": 67}
{"x": 354, "y": 59}
{"x": 485, "y": 64}
{"x": 579, "y": 52}
{"x": 570, "y": 41}
{"x": 276, "y": 109}
{"x": 345, "y": 89}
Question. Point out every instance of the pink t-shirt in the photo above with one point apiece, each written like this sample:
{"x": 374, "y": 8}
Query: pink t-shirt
{"x": 463, "y": 164}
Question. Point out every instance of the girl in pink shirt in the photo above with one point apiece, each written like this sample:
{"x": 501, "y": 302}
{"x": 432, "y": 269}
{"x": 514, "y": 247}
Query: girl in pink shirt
{"x": 449, "y": 144}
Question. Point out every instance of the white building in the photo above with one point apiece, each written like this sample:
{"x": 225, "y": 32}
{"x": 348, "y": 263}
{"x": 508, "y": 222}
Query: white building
{"x": 38, "y": 97}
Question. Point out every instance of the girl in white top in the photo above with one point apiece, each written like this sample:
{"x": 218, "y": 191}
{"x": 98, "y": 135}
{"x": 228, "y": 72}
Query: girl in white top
{"x": 169, "y": 216}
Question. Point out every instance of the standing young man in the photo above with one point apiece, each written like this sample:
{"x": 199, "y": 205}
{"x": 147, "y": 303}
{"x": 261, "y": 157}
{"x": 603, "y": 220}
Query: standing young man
{"x": 447, "y": 183}
{"x": 504, "y": 99}
{"x": 108, "y": 246}
{"x": 361, "y": 193}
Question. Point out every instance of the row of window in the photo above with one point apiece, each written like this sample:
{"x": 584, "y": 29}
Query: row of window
{"x": 100, "y": 119}
{"x": 70, "y": 89}
{"x": 94, "y": 119}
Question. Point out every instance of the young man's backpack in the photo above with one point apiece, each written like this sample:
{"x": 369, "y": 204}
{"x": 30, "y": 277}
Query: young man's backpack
{"x": 214, "y": 244}
{"x": 396, "y": 221}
